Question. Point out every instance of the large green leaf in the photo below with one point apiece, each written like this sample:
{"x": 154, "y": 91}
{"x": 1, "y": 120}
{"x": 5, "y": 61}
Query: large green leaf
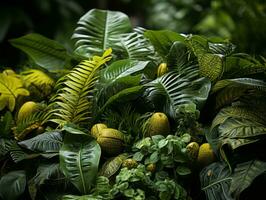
{"x": 163, "y": 40}
{"x": 172, "y": 89}
{"x": 48, "y": 142}
{"x": 244, "y": 174}
{"x": 84, "y": 197}
{"x": 122, "y": 68}
{"x": 215, "y": 181}
{"x": 229, "y": 90}
{"x": 99, "y": 30}
{"x": 235, "y": 127}
{"x": 135, "y": 46}
{"x": 79, "y": 160}
{"x": 243, "y": 65}
{"x": 12, "y": 185}
{"x": 47, "y": 53}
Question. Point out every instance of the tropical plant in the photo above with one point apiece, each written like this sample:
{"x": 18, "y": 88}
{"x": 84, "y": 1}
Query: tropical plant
{"x": 51, "y": 153}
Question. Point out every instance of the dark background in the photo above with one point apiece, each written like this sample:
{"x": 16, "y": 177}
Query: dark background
{"x": 241, "y": 21}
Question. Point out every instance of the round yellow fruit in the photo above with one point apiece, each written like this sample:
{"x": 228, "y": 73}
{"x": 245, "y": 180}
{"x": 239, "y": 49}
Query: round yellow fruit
{"x": 96, "y": 129}
{"x": 162, "y": 69}
{"x": 158, "y": 124}
{"x": 27, "y": 109}
{"x": 111, "y": 141}
{"x": 192, "y": 150}
{"x": 206, "y": 155}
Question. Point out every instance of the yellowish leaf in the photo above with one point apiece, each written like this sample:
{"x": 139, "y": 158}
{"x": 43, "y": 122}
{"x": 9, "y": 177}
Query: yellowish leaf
{"x": 11, "y": 87}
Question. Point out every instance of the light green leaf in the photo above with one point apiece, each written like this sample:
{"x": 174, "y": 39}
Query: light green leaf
{"x": 99, "y": 30}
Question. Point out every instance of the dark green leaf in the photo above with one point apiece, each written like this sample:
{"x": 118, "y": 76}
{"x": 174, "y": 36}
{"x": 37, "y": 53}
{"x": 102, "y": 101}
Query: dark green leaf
{"x": 183, "y": 170}
{"x": 6, "y": 123}
{"x": 5, "y": 145}
{"x": 244, "y": 174}
{"x": 47, "y": 142}
{"x": 154, "y": 157}
{"x": 163, "y": 40}
{"x": 45, "y": 52}
{"x": 45, "y": 172}
{"x": 13, "y": 185}
{"x": 215, "y": 181}
{"x": 79, "y": 160}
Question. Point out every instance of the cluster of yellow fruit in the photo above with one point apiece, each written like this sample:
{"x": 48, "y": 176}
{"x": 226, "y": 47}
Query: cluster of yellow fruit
{"x": 111, "y": 140}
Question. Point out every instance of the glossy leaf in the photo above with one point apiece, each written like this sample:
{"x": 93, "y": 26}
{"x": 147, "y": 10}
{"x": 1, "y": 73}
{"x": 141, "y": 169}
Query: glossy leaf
{"x": 215, "y": 181}
{"x": 244, "y": 174}
{"x": 13, "y": 185}
{"x": 79, "y": 160}
{"x": 47, "y": 53}
{"x": 47, "y": 142}
{"x": 99, "y": 30}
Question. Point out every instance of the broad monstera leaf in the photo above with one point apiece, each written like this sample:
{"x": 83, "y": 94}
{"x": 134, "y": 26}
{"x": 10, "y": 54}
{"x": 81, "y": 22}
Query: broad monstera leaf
{"x": 11, "y": 87}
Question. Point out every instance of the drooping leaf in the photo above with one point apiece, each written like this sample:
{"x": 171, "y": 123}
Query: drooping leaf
{"x": 11, "y": 87}
{"x": 13, "y": 185}
{"x": 79, "y": 160}
{"x": 72, "y": 101}
{"x": 47, "y": 53}
{"x": 48, "y": 142}
{"x": 99, "y": 30}
{"x": 215, "y": 181}
{"x": 244, "y": 174}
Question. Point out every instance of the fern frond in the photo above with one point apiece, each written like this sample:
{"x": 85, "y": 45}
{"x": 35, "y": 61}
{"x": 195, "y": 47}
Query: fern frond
{"x": 73, "y": 101}
{"x": 11, "y": 87}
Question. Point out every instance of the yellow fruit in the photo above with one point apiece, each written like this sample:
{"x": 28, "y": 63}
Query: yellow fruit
{"x": 162, "y": 69}
{"x": 206, "y": 155}
{"x": 130, "y": 163}
{"x": 192, "y": 150}
{"x": 111, "y": 141}
{"x": 27, "y": 109}
{"x": 96, "y": 129}
{"x": 158, "y": 124}
{"x": 151, "y": 167}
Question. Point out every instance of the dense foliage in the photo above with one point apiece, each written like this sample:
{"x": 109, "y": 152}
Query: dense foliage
{"x": 119, "y": 77}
